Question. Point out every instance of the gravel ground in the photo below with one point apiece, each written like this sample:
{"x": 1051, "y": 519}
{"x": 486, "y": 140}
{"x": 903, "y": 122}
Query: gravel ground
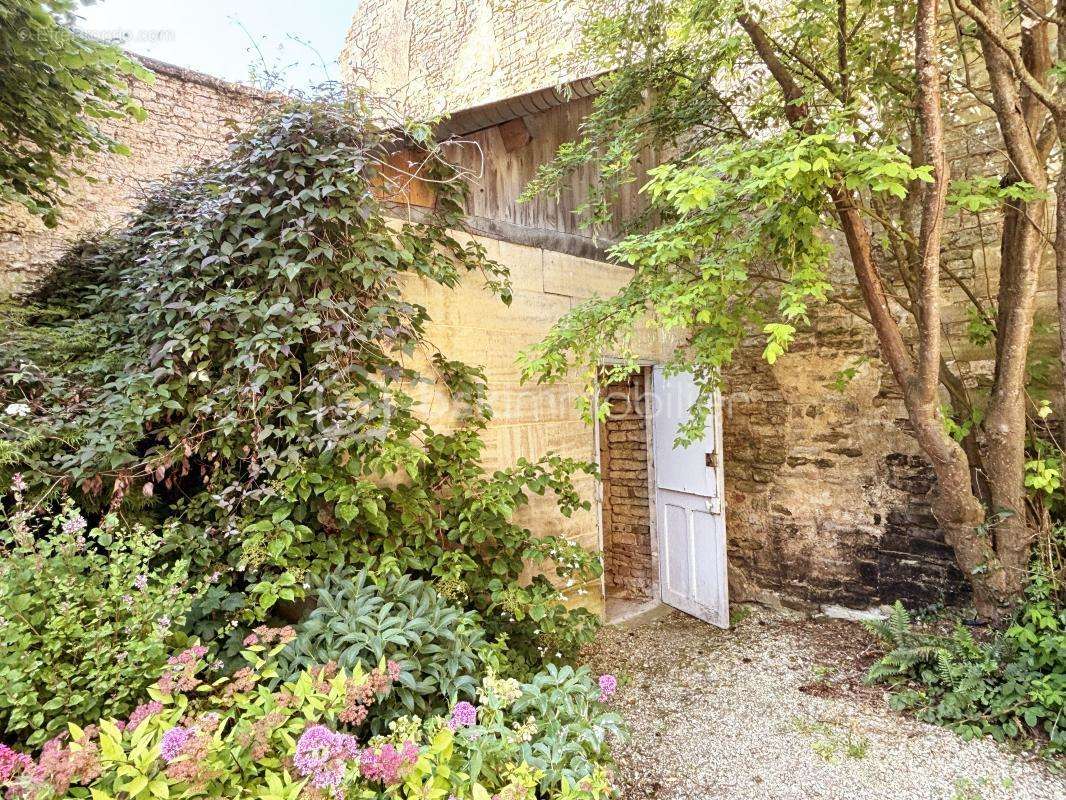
{"x": 775, "y": 709}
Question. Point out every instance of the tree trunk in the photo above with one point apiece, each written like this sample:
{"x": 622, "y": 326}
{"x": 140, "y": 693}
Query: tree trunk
{"x": 1020, "y": 255}
{"x": 994, "y": 560}
{"x": 956, "y": 508}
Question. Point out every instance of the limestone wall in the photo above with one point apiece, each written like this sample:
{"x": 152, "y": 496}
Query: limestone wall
{"x": 826, "y": 488}
{"x": 189, "y": 118}
{"x": 443, "y": 55}
{"x": 529, "y": 421}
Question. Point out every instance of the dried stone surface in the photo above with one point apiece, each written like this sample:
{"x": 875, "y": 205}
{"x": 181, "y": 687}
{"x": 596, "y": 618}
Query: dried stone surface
{"x": 773, "y": 710}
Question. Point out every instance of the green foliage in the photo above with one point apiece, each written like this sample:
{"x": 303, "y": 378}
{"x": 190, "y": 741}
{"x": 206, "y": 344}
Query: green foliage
{"x": 58, "y": 86}
{"x": 86, "y": 622}
{"x": 360, "y": 622}
{"x": 733, "y": 244}
{"x": 554, "y": 724}
{"x": 987, "y": 193}
{"x": 959, "y": 429}
{"x": 845, "y": 376}
{"x": 1010, "y": 686}
{"x": 240, "y": 362}
{"x": 573, "y": 728}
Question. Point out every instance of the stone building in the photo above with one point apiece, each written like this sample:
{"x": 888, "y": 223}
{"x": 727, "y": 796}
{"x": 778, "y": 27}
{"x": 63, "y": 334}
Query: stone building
{"x": 825, "y": 491}
{"x": 818, "y": 494}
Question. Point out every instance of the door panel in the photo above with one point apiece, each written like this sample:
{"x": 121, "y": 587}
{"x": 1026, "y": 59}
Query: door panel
{"x": 689, "y": 508}
{"x": 683, "y": 469}
{"x": 676, "y": 579}
{"x": 708, "y": 564}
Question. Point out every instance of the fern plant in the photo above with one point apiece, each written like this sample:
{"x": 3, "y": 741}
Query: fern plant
{"x": 363, "y": 621}
{"x": 1012, "y": 686}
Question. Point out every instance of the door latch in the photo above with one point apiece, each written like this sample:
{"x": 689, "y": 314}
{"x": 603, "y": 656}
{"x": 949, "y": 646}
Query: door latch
{"x": 710, "y": 458}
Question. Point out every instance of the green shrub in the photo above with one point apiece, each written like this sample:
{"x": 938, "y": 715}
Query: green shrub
{"x": 362, "y": 623}
{"x": 86, "y": 623}
{"x": 557, "y": 720}
{"x": 1012, "y": 686}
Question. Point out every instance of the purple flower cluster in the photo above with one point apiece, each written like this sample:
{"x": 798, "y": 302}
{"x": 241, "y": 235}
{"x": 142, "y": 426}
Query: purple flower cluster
{"x": 388, "y": 763}
{"x": 463, "y": 715}
{"x": 608, "y": 686}
{"x": 173, "y": 741}
{"x": 322, "y": 755}
{"x": 75, "y": 525}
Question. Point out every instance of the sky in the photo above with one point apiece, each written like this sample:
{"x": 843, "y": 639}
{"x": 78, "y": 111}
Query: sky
{"x": 229, "y": 38}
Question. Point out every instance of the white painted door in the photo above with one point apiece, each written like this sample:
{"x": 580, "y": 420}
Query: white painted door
{"x": 689, "y": 511}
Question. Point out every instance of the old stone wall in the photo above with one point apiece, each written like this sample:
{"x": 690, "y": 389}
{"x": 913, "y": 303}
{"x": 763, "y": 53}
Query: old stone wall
{"x": 627, "y": 554}
{"x": 443, "y": 55}
{"x": 190, "y": 117}
{"x": 825, "y": 486}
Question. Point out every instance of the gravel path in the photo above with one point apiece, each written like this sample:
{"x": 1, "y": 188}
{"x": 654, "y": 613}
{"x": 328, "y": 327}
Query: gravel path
{"x": 775, "y": 709}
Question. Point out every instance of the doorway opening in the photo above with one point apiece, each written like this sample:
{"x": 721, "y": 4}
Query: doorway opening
{"x": 631, "y": 579}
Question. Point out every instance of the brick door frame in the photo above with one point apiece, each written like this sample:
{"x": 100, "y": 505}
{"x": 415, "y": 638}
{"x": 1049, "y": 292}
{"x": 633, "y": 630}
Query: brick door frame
{"x": 655, "y": 589}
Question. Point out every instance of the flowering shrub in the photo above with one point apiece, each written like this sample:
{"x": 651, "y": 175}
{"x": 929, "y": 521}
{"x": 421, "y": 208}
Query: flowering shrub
{"x": 86, "y": 623}
{"x": 558, "y": 723}
{"x": 242, "y": 738}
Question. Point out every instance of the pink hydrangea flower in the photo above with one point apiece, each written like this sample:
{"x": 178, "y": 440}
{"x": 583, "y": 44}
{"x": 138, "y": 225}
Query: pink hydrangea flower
{"x": 608, "y": 686}
{"x": 464, "y": 714}
{"x": 388, "y": 763}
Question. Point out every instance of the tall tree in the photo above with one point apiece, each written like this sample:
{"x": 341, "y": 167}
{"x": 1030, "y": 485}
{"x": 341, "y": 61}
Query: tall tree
{"x": 785, "y": 120}
{"x": 56, "y": 87}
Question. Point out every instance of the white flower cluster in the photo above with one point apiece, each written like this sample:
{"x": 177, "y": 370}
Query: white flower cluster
{"x": 17, "y": 410}
{"x": 507, "y": 690}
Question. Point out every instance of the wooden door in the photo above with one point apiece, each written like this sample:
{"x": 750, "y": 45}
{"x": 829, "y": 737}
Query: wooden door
{"x": 689, "y": 507}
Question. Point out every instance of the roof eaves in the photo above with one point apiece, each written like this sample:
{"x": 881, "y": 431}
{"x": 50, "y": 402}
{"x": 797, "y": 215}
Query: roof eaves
{"x": 487, "y": 115}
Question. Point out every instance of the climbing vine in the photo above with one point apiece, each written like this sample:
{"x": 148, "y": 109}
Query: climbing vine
{"x": 239, "y": 361}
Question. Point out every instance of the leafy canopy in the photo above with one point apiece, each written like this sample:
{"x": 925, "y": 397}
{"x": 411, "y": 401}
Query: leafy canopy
{"x": 58, "y": 88}
{"x": 734, "y": 240}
